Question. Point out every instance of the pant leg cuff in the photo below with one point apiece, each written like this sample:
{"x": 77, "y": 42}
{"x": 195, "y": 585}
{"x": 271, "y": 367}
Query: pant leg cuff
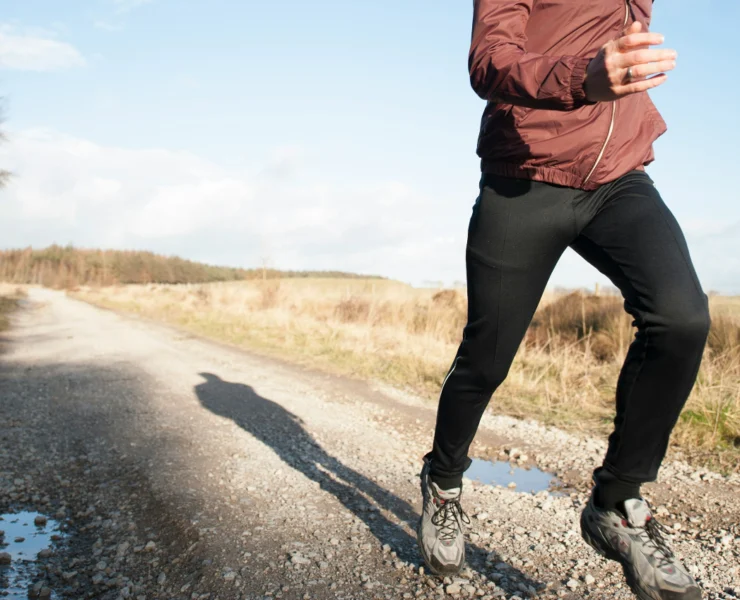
{"x": 446, "y": 483}
{"x": 607, "y": 473}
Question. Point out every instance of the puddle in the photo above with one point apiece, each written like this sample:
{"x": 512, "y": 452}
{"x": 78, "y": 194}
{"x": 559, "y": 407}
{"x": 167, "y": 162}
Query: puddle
{"x": 17, "y": 577}
{"x": 503, "y": 473}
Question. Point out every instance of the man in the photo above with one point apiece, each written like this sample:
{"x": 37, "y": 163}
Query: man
{"x": 565, "y": 137}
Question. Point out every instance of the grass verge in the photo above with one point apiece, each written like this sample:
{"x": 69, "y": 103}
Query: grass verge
{"x": 564, "y": 374}
{"x": 9, "y": 297}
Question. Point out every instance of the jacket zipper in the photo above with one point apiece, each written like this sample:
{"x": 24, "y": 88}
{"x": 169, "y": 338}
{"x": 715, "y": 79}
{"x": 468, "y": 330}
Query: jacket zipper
{"x": 614, "y": 108}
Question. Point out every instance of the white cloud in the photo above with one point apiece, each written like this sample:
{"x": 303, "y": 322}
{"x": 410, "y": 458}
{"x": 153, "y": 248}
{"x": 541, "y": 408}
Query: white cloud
{"x": 716, "y": 254}
{"x": 65, "y": 189}
{"x": 29, "y": 51}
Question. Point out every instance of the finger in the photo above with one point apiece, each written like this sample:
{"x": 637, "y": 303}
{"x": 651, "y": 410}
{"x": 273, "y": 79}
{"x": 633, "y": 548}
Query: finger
{"x": 644, "y": 56}
{"x": 634, "y": 27}
{"x": 635, "y": 40}
{"x": 642, "y": 85}
{"x": 653, "y": 68}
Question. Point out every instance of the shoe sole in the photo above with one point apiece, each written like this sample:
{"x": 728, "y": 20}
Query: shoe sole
{"x": 632, "y": 580}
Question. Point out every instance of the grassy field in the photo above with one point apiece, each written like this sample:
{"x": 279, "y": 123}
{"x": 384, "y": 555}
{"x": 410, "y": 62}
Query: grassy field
{"x": 9, "y": 296}
{"x": 564, "y": 374}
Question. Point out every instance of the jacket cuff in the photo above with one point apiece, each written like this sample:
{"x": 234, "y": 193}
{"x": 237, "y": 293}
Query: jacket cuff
{"x": 577, "y": 79}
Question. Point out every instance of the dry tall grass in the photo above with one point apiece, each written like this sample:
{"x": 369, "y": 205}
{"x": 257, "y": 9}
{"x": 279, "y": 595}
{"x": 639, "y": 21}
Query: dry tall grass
{"x": 565, "y": 373}
{"x": 66, "y": 267}
{"x": 9, "y": 296}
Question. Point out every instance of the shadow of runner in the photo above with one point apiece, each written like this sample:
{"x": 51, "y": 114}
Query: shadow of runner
{"x": 284, "y": 432}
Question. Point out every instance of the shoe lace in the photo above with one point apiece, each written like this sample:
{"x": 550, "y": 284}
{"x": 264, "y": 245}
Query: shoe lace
{"x": 449, "y": 518}
{"x": 654, "y": 531}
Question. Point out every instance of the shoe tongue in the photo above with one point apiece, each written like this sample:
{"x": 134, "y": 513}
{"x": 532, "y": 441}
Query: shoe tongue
{"x": 450, "y": 494}
{"x": 637, "y": 512}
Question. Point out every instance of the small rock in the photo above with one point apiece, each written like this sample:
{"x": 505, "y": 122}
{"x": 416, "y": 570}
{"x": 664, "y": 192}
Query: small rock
{"x": 69, "y": 575}
{"x": 572, "y": 584}
{"x": 19, "y": 540}
{"x": 45, "y": 553}
{"x": 40, "y": 521}
{"x": 453, "y": 588}
{"x": 150, "y": 547}
{"x": 230, "y": 576}
{"x": 589, "y": 579}
{"x": 4, "y": 558}
{"x": 162, "y": 578}
{"x": 334, "y": 541}
{"x": 123, "y": 548}
{"x": 512, "y": 485}
{"x": 44, "y": 593}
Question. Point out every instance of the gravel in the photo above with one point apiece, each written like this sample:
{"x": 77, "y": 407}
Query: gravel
{"x": 181, "y": 469}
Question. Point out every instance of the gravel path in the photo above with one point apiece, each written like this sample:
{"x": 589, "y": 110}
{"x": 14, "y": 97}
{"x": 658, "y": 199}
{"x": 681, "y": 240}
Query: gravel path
{"x": 182, "y": 469}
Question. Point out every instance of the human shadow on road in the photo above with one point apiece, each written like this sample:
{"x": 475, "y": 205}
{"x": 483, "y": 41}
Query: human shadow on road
{"x": 285, "y": 433}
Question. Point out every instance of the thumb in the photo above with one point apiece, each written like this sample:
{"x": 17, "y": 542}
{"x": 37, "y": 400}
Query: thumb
{"x": 634, "y": 27}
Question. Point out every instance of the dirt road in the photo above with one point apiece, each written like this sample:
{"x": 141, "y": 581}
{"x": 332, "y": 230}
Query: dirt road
{"x": 180, "y": 468}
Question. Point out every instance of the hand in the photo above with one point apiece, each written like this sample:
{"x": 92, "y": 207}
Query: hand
{"x": 607, "y": 74}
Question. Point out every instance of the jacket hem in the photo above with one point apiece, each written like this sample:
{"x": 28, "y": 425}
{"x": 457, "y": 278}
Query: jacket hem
{"x": 551, "y": 175}
{"x": 544, "y": 174}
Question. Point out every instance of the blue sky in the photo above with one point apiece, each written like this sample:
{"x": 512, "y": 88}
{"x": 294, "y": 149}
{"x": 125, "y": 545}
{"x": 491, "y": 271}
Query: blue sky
{"x": 326, "y": 135}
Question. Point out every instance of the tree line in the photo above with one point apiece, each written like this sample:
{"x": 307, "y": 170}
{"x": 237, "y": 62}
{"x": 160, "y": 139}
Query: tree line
{"x": 68, "y": 267}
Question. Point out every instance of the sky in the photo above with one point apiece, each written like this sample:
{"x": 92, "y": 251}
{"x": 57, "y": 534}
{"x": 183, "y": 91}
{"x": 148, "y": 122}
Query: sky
{"x": 310, "y": 135}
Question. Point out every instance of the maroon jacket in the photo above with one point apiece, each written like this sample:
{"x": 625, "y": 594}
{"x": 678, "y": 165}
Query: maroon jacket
{"x": 528, "y": 58}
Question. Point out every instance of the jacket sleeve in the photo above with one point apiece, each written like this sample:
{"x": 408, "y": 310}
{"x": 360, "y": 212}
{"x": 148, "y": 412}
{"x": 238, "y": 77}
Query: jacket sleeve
{"x": 502, "y": 70}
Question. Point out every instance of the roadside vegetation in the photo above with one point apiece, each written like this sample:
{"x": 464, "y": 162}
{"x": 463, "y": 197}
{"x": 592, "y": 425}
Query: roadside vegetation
{"x": 564, "y": 374}
{"x": 65, "y": 267}
{"x": 9, "y": 297}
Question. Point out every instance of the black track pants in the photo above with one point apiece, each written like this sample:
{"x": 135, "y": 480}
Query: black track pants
{"x": 518, "y": 231}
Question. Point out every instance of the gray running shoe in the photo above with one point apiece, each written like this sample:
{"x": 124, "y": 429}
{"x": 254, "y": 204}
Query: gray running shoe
{"x": 440, "y": 531}
{"x": 651, "y": 569}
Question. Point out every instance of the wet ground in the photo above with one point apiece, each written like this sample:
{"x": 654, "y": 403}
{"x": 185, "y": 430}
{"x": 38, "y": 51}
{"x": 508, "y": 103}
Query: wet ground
{"x": 25, "y": 537}
{"x": 505, "y": 474}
